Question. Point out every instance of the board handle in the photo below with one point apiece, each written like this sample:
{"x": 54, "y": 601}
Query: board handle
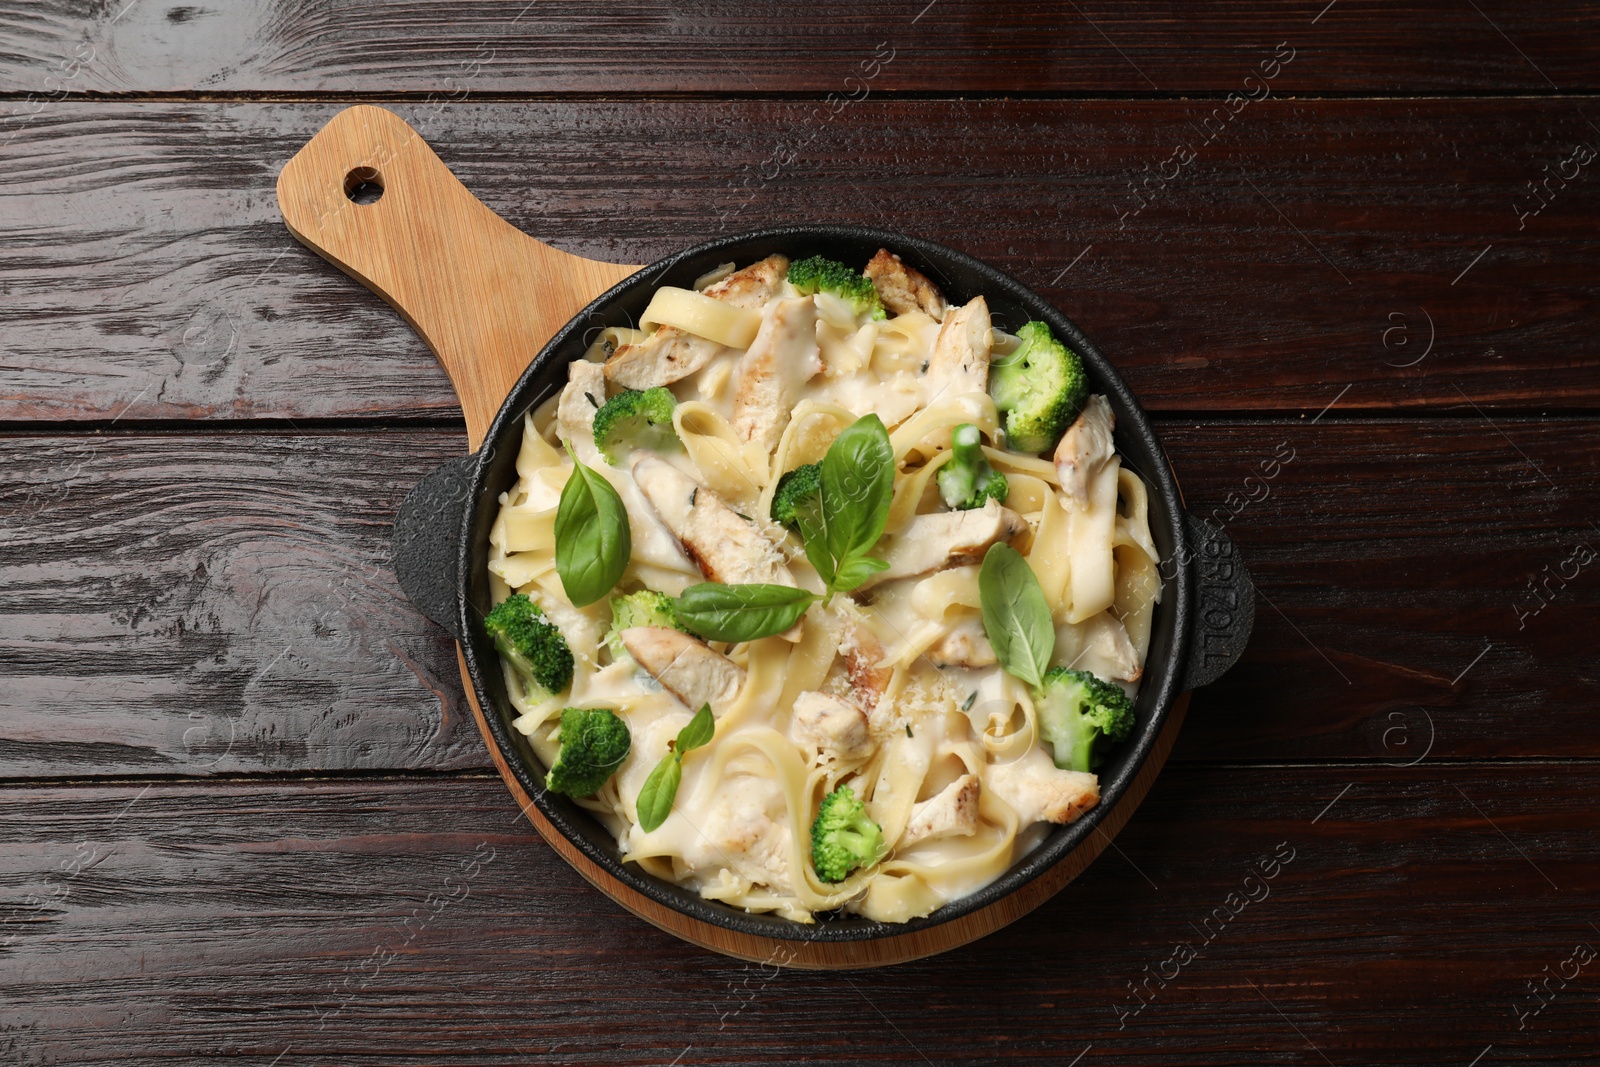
{"x": 369, "y": 195}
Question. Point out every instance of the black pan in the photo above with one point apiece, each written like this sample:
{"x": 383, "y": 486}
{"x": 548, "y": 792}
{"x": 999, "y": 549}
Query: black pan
{"x": 442, "y": 537}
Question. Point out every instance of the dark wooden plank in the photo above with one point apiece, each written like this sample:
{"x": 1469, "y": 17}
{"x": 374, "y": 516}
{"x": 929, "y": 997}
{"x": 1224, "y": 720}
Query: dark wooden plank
{"x": 1397, "y": 918}
{"x": 948, "y": 46}
{"x": 223, "y": 603}
{"x": 216, "y": 604}
{"x": 1423, "y": 586}
{"x": 147, "y": 274}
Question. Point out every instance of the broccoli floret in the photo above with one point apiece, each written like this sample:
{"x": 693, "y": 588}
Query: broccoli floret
{"x": 793, "y": 489}
{"x": 821, "y": 274}
{"x": 531, "y": 644}
{"x": 1077, "y": 711}
{"x": 644, "y": 608}
{"x": 1040, "y": 387}
{"x": 636, "y": 419}
{"x": 594, "y": 742}
{"x": 967, "y": 481}
{"x": 843, "y": 837}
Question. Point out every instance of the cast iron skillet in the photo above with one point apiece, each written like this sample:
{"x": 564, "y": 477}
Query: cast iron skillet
{"x": 442, "y": 532}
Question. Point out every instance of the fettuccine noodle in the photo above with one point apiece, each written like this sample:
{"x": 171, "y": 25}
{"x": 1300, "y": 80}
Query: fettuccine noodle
{"x": 944, "y": 747}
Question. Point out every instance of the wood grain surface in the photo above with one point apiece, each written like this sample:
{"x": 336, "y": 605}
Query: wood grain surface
{"x": 1361, "y": 914}
{"x": 235, "y": 610}
{"x": 147, "y": 274}
{"x": 244, "y": 813}
{"x": 944, "y": 46}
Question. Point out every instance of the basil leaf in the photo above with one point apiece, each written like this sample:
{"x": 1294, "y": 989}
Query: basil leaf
{"x": 720, "y": 612}
{"x": 660, "y": 789}
{"x": 814, "y": 532}
{"x": 857, "y": 487}
{"x": 1016, "y": 617}
{"x": 698, "y": 731}
{"x": 857, "y": 569}
{"x": 593, "y": 541}
{"x": 848, "y": 515}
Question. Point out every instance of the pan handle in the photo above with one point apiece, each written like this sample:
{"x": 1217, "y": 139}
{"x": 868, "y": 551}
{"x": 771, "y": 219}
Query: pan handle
{"x": 427, "y": 531}
{"x": 1224, "y": 603}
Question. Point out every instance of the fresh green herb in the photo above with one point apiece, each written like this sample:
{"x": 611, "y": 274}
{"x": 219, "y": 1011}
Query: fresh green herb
{"x": 843, "y": 522}
{"x": 698, "y": 732}
{"x": 1016, "y": 617}
{"x": 852, "y": 572}
{"x": 661, "y": 788}
{"x": 720, "y": 612}
{"x": 593, "y": 541}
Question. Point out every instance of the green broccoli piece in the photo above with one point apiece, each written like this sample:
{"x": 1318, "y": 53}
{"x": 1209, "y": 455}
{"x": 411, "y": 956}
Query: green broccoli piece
{"x": 1077, "y": 711}
{"x": 1040, "y": 387}
{"x": 644, "y": 608}
{"x": 636, "y": 419}
{"x": 531, "y": 644}
{"x": 594, "y": 742}
{"x": 843, "y": 837}
{"x": 820, "y": 274}
{"x": 967, "y": 481}
{"x": 793, "y": 489}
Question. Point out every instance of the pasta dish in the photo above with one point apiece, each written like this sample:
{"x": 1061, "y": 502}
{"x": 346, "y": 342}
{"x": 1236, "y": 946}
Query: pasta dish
{"x": 823, "y": 593}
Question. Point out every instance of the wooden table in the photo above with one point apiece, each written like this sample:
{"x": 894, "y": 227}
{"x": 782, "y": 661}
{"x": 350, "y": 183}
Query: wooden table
{"x": 245, "y": 815}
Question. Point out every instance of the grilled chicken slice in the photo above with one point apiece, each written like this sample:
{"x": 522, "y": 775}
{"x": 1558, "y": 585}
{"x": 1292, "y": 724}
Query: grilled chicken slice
{"x": 1101, "y": 645}
{"x": 726, "y": 546}
{"x": 861, "y": 655}
{"x": 1039, "y": 791}
{"x": 1112, "y": 644}
{"x": 746, "y": 829}
{"x": 832, "y": 726}
{"x": 753, "y": 286}
{"x": 960, "y": 360}
{"x": 903, "y": 288}
{"x": 669, "y": 353}
{"x": 1085, "y": 448}
{"x": 781, "y": 359}
{"x": 948, "y": 539}
{"x": 966, "y": 645}
{"x": 685, "y": 666}
{"x": 661, "y": 358}
{"x": 953, "y": 812}
{"x": 583, "y": 396}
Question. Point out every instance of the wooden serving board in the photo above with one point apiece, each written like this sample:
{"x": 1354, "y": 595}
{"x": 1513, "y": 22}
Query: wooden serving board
{"x": 486, "y": 297}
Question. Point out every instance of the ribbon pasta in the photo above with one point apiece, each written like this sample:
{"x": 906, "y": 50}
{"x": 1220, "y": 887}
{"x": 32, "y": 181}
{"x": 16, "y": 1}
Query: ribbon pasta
{"x": 703, "y": 316}
{"x": 911, "y": 656}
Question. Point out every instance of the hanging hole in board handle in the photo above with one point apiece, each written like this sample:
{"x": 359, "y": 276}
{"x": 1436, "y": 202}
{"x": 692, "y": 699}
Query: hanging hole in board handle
{"x": 363, "y": 185}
